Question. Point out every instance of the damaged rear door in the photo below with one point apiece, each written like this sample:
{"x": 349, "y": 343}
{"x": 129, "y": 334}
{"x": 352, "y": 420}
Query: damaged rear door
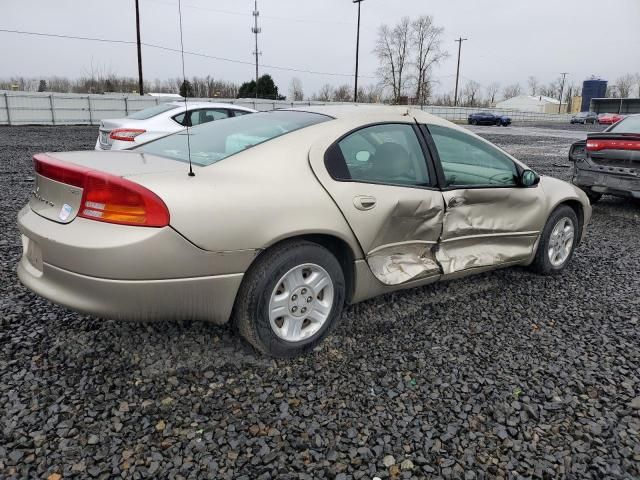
{"x": 489, "y": 219}
{"x": 382, "y": 180}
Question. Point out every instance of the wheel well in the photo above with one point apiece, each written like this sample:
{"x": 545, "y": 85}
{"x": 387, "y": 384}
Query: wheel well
{"x": 576, "y": 206}
{"x": 340, "y": 249}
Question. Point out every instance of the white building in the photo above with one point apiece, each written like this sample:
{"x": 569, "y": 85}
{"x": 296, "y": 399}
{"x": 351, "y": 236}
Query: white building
{"x": 531, "y": 103}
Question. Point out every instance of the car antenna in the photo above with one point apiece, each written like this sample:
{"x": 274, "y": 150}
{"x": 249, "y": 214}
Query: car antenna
{"x": 187, "y": 118}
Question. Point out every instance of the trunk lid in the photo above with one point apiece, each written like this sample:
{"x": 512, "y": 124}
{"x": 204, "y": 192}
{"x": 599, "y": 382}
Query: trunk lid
{"x": 616, "y": 150}
{"x": 60, "y": 198}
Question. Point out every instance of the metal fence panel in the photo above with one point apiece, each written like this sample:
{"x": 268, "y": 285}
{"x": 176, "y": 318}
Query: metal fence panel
{"x": 21, "y": 108}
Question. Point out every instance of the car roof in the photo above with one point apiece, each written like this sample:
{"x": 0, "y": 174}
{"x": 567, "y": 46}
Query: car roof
{"x": 192, "y": 105}
{"x": 372, "y": 113}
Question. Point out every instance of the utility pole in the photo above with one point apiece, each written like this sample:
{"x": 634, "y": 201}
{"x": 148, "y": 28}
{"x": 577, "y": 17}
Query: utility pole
{"x": 355, "y": 93}
{"x": 455, "y": 96}
{"x": 564, "y": 74}
{"x": 140, "y": 83}
{"x": 256, "y": 31}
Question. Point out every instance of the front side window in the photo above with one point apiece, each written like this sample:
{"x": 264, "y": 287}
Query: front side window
{"x": 469, "y": 161}
{"x": 214, "y": 141}
{"x": 386, "y": 153}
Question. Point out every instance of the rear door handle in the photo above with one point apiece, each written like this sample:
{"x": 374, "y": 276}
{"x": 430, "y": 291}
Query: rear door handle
{"x": 364, "y": 202}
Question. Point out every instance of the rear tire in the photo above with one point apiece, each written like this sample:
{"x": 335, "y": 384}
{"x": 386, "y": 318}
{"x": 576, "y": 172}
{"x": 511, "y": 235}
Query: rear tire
{"x": 557, "y": 242}
{"x": 282, "y": 312}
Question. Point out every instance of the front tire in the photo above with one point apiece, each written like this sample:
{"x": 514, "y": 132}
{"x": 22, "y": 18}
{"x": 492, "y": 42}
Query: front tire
{"x": 557, "y": 242}
{"x": 290, "y": 299}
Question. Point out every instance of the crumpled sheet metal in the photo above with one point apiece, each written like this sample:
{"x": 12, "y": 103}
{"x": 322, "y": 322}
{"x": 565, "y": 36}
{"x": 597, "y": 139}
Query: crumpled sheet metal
{"x": 411, "y": 220}
{"x": 401, "y": 263}
{"x": 491, "y": 211}
{"x": 458, "y": 255}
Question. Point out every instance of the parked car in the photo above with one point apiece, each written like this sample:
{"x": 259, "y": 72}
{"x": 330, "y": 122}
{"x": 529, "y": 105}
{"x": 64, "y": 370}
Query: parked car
{"x": 584, "y": 118}
{"x": 609, "y": 118}
{"x": 159, "y": 120}
{"x": 289, "y": 215}
{"x": 488, "y": 118}
{"x": 609, "y": 162}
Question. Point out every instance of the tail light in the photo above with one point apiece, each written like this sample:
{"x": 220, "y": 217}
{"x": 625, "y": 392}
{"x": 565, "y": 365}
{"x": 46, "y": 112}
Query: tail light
{"x": 106, "y": 197}
{"x": 598, "y": 145}
{"x": 125, "y": 134}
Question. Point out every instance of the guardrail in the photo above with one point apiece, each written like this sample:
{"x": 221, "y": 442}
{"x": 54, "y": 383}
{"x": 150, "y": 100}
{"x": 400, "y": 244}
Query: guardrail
{"x": 30, "y": 108}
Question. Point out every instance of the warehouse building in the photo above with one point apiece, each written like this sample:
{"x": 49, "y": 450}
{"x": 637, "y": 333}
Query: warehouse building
{"x": 533, "y": 103}
{"x": 624, "y": 106}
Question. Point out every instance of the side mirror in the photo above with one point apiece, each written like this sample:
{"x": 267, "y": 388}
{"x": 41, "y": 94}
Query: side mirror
{"x": 529, "y": 178}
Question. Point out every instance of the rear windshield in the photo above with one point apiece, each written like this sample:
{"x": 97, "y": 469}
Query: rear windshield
{"x": 214, "y": 141}
{"x": 627, "y": 125}
{"x": 152, "y": 111}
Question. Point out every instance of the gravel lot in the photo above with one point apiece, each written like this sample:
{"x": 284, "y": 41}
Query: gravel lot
{"x": 502, "y": 375}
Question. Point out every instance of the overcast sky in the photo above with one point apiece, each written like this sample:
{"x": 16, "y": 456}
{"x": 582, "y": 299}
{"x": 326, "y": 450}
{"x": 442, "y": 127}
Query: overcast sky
{"x": 508, "y": 39}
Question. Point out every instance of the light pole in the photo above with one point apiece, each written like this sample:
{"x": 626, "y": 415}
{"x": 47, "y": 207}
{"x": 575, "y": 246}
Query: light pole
{"x": 564, "y": 74}
{"x": 355, "y": 93}
{"x": 140, "y": 82}
{"x": 455, "y": 96}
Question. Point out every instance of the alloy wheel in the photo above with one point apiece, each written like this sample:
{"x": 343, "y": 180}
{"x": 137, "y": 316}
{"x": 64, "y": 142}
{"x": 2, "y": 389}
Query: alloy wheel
{"x": 301, "y": 302}
{"x": 561, "y": 241}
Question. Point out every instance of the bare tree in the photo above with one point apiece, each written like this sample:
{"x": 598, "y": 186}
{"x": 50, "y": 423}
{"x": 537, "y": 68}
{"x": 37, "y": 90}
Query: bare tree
{"x": 426, "y": 42}
{"x": 295, "y": 90}
{"x": 533, "y": 85}
{"x": 372, "y": 93}
{"x": 471, "y": 93}
{"x": 624, "y": 84}
{"x": 511, "y": 91}
{"x": 492, "y": 91}
{"x": 392, "y": 49}
{"x": 343, "y": 93}
{"x": 324, "y": 94}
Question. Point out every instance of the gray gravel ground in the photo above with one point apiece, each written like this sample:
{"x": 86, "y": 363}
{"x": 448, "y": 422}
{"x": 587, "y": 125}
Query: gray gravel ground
{"x": 502, "y": 375}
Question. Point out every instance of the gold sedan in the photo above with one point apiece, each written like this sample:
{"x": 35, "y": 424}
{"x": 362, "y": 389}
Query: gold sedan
{"x": 288, "y": 215}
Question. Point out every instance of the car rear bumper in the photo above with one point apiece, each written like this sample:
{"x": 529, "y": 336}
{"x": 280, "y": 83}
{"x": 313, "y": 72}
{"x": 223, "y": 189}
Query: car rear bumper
{"x": 128, "y": 272}
{"x": 608, "y": 183}
{"x": 203, "y": 298}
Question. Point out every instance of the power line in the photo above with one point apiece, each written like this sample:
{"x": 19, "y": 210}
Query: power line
{"x": 242, "y": 14}
{"x": 196, "y": 54}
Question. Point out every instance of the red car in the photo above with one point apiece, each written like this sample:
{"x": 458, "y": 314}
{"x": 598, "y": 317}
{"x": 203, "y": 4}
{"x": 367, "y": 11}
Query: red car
{"x": 609, "y": 118}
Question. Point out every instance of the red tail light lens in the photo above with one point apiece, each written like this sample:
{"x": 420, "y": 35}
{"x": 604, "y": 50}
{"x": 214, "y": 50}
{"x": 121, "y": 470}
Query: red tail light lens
{"x": 125, "y": 134}
{"x": 106, "y": 197}
{"x": 598, "y": 145}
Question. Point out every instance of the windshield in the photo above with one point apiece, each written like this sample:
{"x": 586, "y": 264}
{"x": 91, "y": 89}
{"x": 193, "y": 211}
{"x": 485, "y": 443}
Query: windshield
{"x": 627, "y": 125}
{"x": 214, "y": 141}
{"x": 152, "y": 111}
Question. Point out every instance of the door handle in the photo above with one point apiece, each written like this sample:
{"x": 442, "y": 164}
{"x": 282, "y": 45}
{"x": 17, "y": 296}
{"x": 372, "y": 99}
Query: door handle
{"x": 363, "y": 202}
{"x": 455, "y": 202}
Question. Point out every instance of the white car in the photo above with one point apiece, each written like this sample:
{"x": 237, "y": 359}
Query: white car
{"x": 159, "y": 120}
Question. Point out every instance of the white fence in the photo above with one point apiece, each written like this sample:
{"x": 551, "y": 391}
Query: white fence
{"x": 27, "y": 108}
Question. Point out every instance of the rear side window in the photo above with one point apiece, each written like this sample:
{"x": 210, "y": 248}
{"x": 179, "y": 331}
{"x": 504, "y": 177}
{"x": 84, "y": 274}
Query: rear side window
{"x": 152, "y": 111}
{"x": 388, "y": 153}
{"x": 469, "y": 161}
